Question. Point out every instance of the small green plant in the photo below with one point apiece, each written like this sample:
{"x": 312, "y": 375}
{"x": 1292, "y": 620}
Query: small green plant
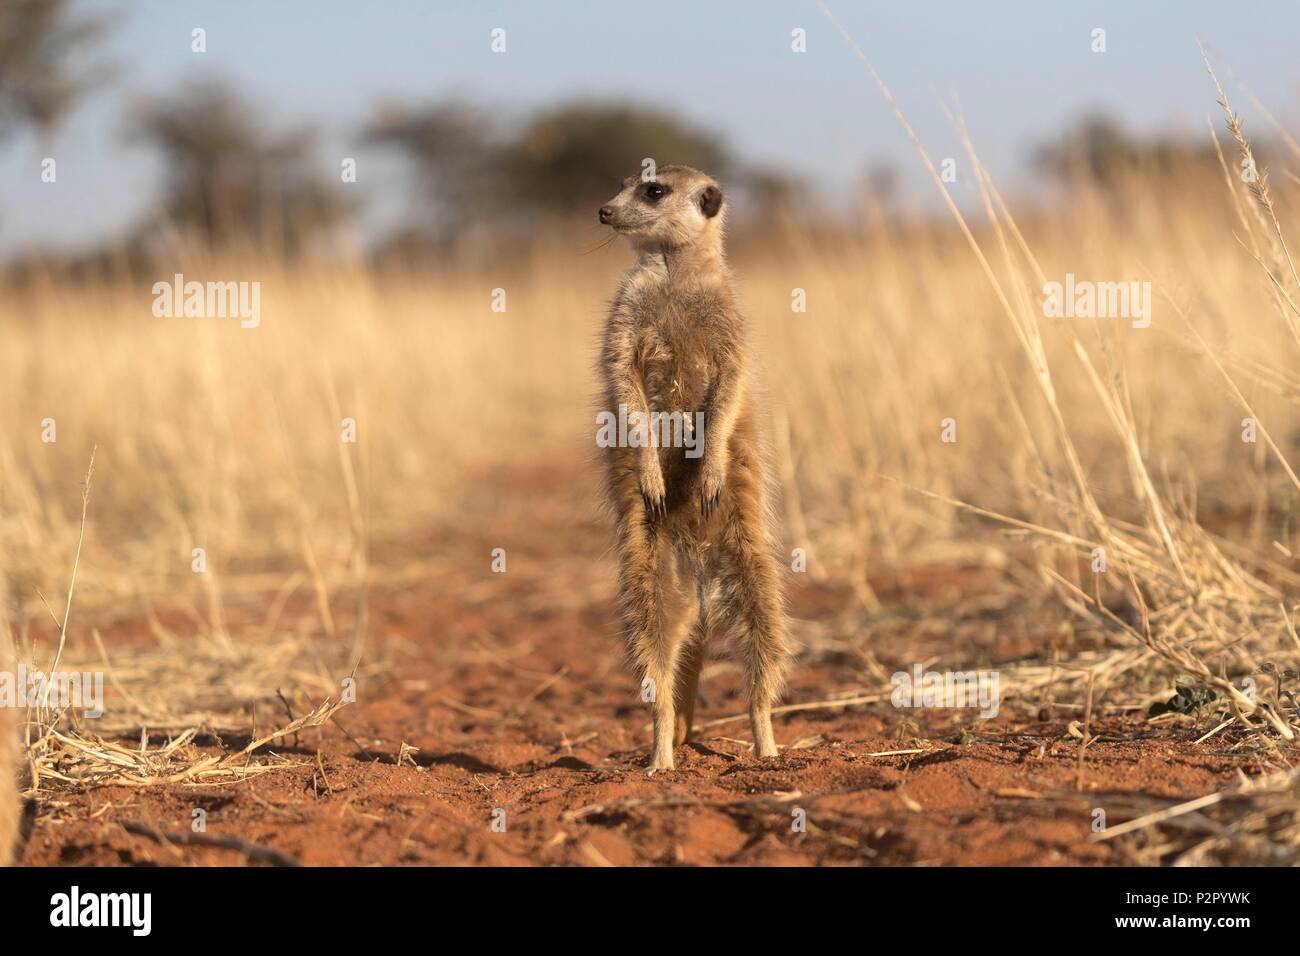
{"x": 1189, "y": 698}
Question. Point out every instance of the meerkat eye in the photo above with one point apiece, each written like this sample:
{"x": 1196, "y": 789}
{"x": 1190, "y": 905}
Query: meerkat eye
{"x": 654, "y": 191}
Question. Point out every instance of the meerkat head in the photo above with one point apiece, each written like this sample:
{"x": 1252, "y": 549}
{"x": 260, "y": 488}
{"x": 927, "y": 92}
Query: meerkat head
{"x": 679, "y": 207}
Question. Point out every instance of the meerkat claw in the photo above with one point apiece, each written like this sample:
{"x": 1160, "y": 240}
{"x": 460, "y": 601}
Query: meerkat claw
{"x": 708, "y": 504}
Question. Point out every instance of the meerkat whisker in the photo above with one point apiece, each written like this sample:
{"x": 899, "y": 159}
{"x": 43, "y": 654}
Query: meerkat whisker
{"x": 600, "y": 245}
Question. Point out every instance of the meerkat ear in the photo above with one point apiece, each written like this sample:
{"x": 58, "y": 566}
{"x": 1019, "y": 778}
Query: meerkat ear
{"x": 710, "y": 201}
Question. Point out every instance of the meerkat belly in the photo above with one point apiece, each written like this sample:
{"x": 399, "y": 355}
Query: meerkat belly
{"x": 676, "y": 387}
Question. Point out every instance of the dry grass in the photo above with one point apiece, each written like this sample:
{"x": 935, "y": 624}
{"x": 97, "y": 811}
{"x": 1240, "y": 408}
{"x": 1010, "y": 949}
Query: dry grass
{"x": 1256, "y": 823}
{"x": 79, "y": 761}
{"x": 1072, "y": 436}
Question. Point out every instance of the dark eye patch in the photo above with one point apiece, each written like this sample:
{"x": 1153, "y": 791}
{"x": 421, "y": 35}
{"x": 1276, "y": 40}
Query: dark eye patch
{"x": 653, "y": 192}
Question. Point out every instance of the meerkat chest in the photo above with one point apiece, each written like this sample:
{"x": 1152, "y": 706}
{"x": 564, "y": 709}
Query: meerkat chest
{"x": 677, "y": 371}
{"x": 677, "y": 360}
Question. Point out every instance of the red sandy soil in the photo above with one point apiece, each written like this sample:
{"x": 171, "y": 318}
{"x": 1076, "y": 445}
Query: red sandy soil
{"x": 513, "y": 689}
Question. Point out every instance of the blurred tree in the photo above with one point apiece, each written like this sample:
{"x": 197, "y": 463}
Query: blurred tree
{"x": 39, "y": 39}
{"x": 1095, "y": 148}
{"x": 775, "y": 195}
{"x": 564, "y": 161}
{"x": 570, "y": 157}
{"x": 453, "y": 151}
{"x": 881, "y": 177}
{"x": 228, "y": 178}
{"x": 1099, "y": 149}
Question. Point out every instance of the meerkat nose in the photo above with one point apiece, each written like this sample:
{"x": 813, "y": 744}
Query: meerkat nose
{"x": 606, "y": 214}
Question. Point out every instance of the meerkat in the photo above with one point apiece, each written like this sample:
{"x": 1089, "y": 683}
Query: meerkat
{"x": 695, "y": 543}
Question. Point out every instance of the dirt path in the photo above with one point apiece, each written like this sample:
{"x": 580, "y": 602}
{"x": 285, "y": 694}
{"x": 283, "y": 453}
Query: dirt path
{"x": 530, "y": 740}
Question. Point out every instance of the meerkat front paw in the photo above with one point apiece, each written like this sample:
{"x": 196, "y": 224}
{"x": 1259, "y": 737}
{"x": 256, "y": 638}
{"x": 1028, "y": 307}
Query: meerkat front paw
{"x": 653, "y": 491}
{"x": 712, "y": 479}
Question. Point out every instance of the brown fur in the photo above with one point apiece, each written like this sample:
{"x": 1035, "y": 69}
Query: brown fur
{"x": 696, "y": 551}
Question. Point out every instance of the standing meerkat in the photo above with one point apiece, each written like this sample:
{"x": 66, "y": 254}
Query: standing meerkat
{"x": 697, "y": 555}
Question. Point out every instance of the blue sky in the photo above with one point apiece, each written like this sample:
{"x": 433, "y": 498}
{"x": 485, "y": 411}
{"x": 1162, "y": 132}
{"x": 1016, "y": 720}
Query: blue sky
{"x": 1022, "y": 70}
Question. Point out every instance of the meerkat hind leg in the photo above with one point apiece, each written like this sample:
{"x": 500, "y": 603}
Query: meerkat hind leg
{"x": 667, "y": 673}
{"x": 760, "y": 723}
{"x": 661, "y": 615}
{"x": 754, "y": 608}
{"x": 688, "y": 680}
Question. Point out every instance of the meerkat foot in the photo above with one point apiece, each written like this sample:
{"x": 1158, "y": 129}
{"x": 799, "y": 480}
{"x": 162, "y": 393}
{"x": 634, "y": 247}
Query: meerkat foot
{"x": 760, "y": 719}
{"x": 665, "y": 721}
{"x": 682, "y": 730}
{"x": 661, "y": 762}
